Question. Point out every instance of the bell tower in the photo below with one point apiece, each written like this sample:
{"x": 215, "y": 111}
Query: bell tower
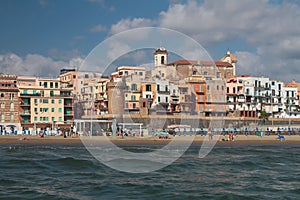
{"x": 160, "y": 57}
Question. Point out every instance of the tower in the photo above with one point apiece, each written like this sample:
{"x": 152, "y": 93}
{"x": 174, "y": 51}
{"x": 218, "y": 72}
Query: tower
{"x": 230, "y": 58}
{"x": 160, "y": 57}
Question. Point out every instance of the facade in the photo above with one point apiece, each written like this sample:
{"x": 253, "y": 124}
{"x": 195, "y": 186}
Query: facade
{"x": 9, "y": 103}
{"x": 44, "y": 103}
{"x": 249, "y": 96}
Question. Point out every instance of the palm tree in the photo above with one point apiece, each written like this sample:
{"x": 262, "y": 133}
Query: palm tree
{"x": 264, "y": 116}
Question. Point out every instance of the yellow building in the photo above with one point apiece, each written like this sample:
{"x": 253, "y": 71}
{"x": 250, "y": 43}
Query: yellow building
{"x": 44, "y": 103}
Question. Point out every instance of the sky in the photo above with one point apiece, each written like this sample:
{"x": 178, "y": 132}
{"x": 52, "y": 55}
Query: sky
{"x": 40, "y": 37}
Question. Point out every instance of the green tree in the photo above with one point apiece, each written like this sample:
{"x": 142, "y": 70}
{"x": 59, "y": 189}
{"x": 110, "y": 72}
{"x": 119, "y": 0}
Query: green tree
{"x": 264, "y": 116}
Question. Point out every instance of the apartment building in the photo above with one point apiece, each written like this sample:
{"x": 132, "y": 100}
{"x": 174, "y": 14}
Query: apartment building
{"x": 9, "y": 103}
{"x": 44, "y": 103}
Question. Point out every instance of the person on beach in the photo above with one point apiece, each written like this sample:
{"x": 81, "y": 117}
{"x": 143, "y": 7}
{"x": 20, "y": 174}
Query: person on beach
{"x": 231, "y": 136}
{"x": 210, "y": 135}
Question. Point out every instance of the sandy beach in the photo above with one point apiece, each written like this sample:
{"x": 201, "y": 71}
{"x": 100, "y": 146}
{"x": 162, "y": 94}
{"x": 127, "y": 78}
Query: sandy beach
{"x": 59, "y": 140}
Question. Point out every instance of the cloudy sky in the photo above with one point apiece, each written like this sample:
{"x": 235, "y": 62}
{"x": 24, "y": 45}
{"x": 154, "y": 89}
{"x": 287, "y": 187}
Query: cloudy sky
{"x": 39, "y": 37}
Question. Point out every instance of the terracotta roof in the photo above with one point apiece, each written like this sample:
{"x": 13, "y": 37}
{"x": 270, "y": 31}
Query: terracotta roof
{"x": 204, "y": 63}
{"x": 232, "y": 57}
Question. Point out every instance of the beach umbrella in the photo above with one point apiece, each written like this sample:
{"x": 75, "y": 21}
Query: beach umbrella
{"x": 246, "y": 131}
{"x": 278, "y": 131}
{"x": 223, "y": 131}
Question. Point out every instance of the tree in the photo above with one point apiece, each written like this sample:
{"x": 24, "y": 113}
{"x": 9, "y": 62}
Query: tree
{"x": 264, "y": 116}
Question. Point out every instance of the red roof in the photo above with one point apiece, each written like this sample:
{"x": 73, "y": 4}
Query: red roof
{"x": 193, "y": 62}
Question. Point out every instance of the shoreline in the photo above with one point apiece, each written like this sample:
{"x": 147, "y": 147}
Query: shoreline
{"x": 198, "y": 140}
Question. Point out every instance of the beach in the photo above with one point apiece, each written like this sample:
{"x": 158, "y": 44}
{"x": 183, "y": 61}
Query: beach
{"x": 60, "y": 140}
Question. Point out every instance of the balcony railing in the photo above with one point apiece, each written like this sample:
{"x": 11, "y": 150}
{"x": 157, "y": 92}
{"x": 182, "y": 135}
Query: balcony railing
{"x": 25, "y": 113}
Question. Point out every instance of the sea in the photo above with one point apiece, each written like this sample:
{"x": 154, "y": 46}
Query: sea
{"x": 227, "y": 172}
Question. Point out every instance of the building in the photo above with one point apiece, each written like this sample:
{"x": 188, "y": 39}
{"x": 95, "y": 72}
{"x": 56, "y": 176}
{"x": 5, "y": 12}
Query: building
{"x": 9, "y": 103}
{"x": 44, "y": 104}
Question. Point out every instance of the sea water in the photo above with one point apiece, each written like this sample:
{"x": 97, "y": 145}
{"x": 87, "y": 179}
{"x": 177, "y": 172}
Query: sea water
{"x": 227, "y": 172}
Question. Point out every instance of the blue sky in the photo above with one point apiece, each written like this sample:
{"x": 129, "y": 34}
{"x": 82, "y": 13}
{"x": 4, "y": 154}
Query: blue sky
{"x": 38, "y": 37}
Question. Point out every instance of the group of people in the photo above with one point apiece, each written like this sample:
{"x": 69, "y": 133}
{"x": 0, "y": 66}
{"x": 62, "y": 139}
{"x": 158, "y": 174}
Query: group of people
{"x": 229, "y": 137}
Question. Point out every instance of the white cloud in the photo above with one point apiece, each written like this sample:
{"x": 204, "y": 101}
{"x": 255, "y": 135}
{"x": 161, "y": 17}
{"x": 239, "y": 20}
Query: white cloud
{"x": 34, "y": 65}
{"x": 126, "y": 24}
{"x": 269, "y": 28}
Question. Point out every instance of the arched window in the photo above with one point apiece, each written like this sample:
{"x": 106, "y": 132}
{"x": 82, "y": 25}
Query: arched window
{"x": 163, "y": 60}
{"x": 2, "y": 95}
{"x": 12, "y": 106}
{"x": 194, "y": 72}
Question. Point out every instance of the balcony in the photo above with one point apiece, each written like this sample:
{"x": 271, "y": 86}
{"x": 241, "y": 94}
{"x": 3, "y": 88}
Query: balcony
{"x": 30, "y": 95}
{"x": 68, "y": 113}
{"x": 163, "y": 92}
{"x": 26, "y": 113}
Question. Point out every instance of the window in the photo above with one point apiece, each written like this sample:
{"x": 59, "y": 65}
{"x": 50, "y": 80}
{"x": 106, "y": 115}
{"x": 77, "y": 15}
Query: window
{"x": 163, "y": 60}
{"x": 141, "y": 73}
{"x": 35, "y": 110}
{"x": 41, "y": 118}
{"x": 208, "y": 98}
{"x": 52, "y": 109}
{"x": 51, "y": 84}
{"x": 134, "y": 105}
{"x": 194, "y": 72}
{"x": 134, "y": 87}
{"x": 35, "y": 118}
{"x": 217, "y": 87}
{"x": 51, "y": 93}
{"x": 247, "y": 91}
{"x": 207, "y": 87}
{"x": 201, "y": 99}
{"x": 144, "y": 104}
{"x": 234, "y": 90}
{"x": 53, "y": 119}
{"x": 52, "y": 101}
{"x": 157, "y": 88}
{"x": 167, "y": 100}
{"x": 148, "y": 96}
{"x": 201, "y": 89}
{"x": 59, "y": 101}
{"x": 60, "y": 110}
{"x": 24, "y": 92}
{"x": 60, "y": 119}
{"x": 2, "y": 105}
{"x": 148, "y": 88}
{"x": 56, "y": 85}
{"x": 2, "y": 94}
{"x": 45, "y": 84}
{"x": 158, "y": 99}
{"x": 12, "y": 117}
{"x": 2, "y": 117}
{"x": 11, "y": 107}
{"x": 205, "y": 73}
{"x": 166, "y": 88}
{"x": 227, "y": 89}
{"x": 133, "y": 97}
